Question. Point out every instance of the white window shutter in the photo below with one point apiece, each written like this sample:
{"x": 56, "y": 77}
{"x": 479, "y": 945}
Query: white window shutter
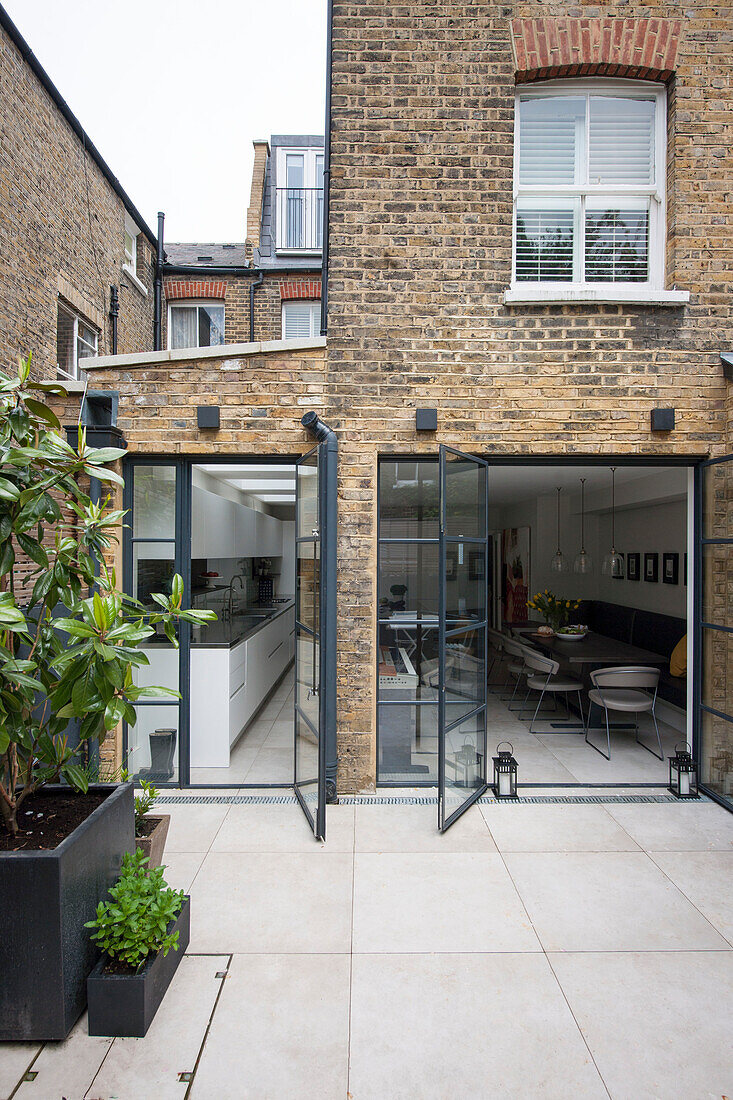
{"x": 621, "y": 141}
{"x": 301, "y": 320}
{"x": 550, "y": 133}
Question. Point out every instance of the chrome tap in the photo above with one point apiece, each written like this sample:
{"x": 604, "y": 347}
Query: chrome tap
{"x": 243, "y": 587}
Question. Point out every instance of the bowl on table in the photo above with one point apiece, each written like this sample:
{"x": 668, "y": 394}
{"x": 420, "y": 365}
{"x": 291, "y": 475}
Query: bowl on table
{"x": 571, "y": 633}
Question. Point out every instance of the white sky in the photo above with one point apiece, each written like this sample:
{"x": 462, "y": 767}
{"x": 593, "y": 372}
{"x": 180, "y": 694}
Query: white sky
{"x": 173, "y": 92}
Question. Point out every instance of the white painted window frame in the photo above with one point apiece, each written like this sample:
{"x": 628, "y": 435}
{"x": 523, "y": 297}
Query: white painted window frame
{"x": 133, "y": 232}
{"x": 310, "y": 155}
{"x": 315, "y": 316}
{"x": 178, "y": 303}
{"x": 75, "y": 374}
{"x": 653, "y": 289}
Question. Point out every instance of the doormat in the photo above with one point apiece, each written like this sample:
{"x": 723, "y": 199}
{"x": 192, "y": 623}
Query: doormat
{"x": 410, "y": 800}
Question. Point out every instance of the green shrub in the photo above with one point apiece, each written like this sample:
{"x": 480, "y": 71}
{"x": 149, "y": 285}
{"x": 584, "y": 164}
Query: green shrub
{"x": 133, "y": 924}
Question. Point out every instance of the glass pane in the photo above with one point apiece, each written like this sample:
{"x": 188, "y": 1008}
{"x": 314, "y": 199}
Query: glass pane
{"x": 616, "y": 241}
{"x": 408, "y": 745}
{"x": 297, "y": 320}
{"x": 152, "y": 744}
{"x": 621, "y": 140}
{"x": 184, "y": 327}
{"x": 294, "y": 170}
{"x": 465, "y": 497}
{"x": 716, "y": 689}
{"x": 211, "y": 326}
{"x": 716, "y": 755}
{"x": 306, "y": 582}
{"x": 465, "y": 585}
{"x": 408, "y": 582}
{"x": 162, "y": 671}
{"x": 306, "y": 762}
{"x": 307, "y": 498}
{"x": 551, "y": 137}
{"x": 409, "y": 499}
{"x": 717, "y": 500}
{"x": 153, "y": 568}
{"x": 717, "y": 583}
{"x": 65, "y": 341}
{"x": 465, "y": 674}
{"x": 544, "y": 251}
{"x": 408, "y": 663}
{"x": 154, "y": 503}
{"x": 465, "y": 756}
{"x": 307, "y": 649}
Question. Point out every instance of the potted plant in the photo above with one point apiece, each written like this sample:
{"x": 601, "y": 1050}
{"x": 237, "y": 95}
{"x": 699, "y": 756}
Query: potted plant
{"x": 68, "y": 649}
{"x": 553, "y": 610}
{"x": 150, "y": 832}
{"x": 143, "y": 931}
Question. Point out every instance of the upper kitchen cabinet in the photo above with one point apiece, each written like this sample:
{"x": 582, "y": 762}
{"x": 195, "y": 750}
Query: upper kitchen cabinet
{"x": 269, "y": 536}
{"x": 245, "y": 532}
{"x": 213, "y": 525}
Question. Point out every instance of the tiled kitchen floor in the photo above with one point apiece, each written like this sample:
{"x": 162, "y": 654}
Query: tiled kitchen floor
{"x": 548, "y": 950}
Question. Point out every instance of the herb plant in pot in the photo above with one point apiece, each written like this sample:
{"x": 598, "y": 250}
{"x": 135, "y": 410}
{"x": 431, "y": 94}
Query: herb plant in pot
{"x": 143, "y": 931}
{"x": 68, "y": 650}
{"x": 150, "y": 831}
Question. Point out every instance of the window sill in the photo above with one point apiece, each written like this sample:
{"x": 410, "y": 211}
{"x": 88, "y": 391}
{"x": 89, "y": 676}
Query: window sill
{"x": 134, "y": 280}
{"x": 528, "y": 294}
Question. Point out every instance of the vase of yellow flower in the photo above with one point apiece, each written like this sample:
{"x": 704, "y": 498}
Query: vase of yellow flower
{"x": 553, "y": 610}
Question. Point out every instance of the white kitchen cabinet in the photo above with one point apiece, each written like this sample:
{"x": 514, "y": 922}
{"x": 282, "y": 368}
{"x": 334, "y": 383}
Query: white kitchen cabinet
{"x": 213, "y": 521}
{"x": 245, "y": 532}
{"x": 269, "y": 536}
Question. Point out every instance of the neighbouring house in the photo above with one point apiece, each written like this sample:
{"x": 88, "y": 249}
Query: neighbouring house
{"x": 77, "y": 255}
{"x": 527, "y": 263}
{"x": 269, "y": 286}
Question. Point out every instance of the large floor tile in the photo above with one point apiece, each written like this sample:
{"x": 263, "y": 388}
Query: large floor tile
{"x": 659, "y": 1025}
{"x": 437, "y": 902}
{"x": 181, "y": 868}
{"x": 415, "y": 829}
{"x": 280, "y": 828}
{"x": 149, "y": 1068}
{"x": 561, "y": 828}
{"x": 271, "y": 766}
{"x": 706, "y": 878}
{"x": 281, "y": 1029}
{"x": 65, "y": 1070}
{"x": 612, "y": 901}
{"x": 15, "y": 1058}
{"x": 677, "y": 826}
{"x": 435, "y": 1027}
{"x": 272, "y": 902}
{"x": 193, "y": 828}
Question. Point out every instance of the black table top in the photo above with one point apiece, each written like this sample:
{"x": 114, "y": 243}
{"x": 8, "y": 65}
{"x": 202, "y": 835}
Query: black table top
{"x": 592, "y": 649}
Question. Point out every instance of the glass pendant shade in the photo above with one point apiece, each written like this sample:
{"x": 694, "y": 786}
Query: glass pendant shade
{"x": 613, "y": 562}
{"x": 583, "y": 561}
{"x": 559, "y": 563}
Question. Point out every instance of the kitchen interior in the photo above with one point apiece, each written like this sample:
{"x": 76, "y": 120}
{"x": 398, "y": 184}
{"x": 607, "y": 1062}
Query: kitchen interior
{"x": 241, "y": 665}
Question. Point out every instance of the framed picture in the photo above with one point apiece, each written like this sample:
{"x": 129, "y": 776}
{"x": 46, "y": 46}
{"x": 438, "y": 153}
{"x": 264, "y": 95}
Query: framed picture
{"x": 451, "y": 564}
{"x": 633, "y": 567}
{"x": 619, "y": 576}
{"x": 476, "y": 565}
{"x": 651, "y": 568}
{"x": 515, "y": 566}
{"x": 671, "y": 568}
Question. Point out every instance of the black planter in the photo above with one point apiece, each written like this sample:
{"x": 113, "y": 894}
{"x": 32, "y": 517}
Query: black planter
{"x": 125, "y": 1004}
{"x": 46, "y": 954}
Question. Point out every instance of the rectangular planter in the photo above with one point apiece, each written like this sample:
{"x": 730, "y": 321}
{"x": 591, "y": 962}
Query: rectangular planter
{"x": 154, "y": 844}
{"x": 125, "y": 1004}
{"x": 46, "y": 954}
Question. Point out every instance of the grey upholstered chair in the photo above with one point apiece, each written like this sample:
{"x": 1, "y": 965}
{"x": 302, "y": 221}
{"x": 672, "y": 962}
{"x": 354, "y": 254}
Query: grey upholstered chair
{"x": 544, "y": 677}
{"x": 631, "y": 689}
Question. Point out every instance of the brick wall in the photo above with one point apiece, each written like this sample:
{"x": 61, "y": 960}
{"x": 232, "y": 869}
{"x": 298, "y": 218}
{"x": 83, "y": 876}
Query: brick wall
{"x": 234, "y": 289}
{"x": 52, "y": 237}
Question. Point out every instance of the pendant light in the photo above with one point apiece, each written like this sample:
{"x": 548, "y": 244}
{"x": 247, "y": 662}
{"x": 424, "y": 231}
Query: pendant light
{"x": 559, "y": 563}
{"x": 583, "y": 562}
{"x": 613, "y": 563}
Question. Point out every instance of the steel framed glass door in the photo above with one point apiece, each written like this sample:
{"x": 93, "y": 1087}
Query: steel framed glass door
{"x": 310, "y": 742}
{"x": 463, "y": 622}
{"x": 713, "y": 642}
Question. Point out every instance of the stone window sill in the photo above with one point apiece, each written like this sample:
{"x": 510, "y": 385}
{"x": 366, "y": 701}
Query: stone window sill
{"x": 532, "y": 294}
{"x": 134, "y": 280}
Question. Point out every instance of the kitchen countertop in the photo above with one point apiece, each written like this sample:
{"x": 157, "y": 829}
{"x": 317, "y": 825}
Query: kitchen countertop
{"x": 224, "y": 634}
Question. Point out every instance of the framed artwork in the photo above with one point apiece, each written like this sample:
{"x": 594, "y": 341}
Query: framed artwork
{"x": 651, "y": 568}
{"x": 622, "y": 572}
{"x": 515, "y": 565}
{"x": 633, "y": 567}
{"x": 476, "y": 565}
{"x": 671, "y": 568}
{"x": 451, "y": 564}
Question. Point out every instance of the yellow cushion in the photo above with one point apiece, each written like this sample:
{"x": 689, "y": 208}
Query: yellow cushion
{"x": 678, "y": 660}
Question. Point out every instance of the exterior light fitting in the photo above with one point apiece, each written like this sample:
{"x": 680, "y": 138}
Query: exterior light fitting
{"x": 683, "y": 773}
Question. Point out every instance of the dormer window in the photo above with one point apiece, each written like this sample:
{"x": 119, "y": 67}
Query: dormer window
{"x": 299, "y": 200}
{"x": 130, "y": 239}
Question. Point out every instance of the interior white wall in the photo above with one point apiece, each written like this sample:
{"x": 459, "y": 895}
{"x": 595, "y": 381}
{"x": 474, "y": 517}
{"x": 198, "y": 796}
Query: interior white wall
{"x": 659, "y": 529}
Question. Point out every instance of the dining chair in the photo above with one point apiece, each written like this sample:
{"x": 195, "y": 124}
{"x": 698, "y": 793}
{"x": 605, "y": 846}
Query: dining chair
{"x": 496, "y": 648}
{"x": 630, "y": 689}
{"x": 544, "y": 676}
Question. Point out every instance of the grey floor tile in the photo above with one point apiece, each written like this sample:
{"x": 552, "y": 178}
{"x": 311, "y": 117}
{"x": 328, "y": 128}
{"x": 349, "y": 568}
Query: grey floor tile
{"x": 677, "y": 826}
{"x": 281, "y": 1029}
{"x": 65, "y": 1070}
{"x": 281, "y": 828}
{"x": 437, "y": 902}
{"x": 561, "y": 828}
{"x": 610, "y": 901}
{"x": 15, "y": 1059}
{"x": 415, "y": 829}
{"x": 706, "y": 878}
{"x": 436, "y": 1027}
{"x": 181, "y": 868}
{"x": 659, "y": 1025}
{"x": 193, "y": 828}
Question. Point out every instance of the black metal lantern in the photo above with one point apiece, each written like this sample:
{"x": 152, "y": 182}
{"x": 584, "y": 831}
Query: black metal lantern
{"x": 505, "y": 772}
{"x": 683, "y": 773}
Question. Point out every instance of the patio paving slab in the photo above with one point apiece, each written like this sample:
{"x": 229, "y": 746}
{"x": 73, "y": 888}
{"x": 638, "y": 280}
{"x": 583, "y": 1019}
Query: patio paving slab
{"x": 610, "y": 901}
{"x": 677, "y": 827}
{"x": 281, "y": 1029}
{"x": 193, "y": 828}
{"x": 66, "y": 1070}
{"x": 706, "y": 878}
{"x": 470, "y": 1026}
{"x": 561, "y": 828}
{"x": 658, "y": 1024}
{"x": 181, "y": 868}
{"x": 281, "y": 902}
{"x": 456, "y": 902}
{"x": 415, "y": 829}
{"x": 15, "y": 1058}
{"x": 282, "y": 828}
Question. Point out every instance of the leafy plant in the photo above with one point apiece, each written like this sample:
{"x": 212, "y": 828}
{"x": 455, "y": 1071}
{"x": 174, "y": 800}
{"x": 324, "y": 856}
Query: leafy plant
{"x": 68, "y": 637}
{"x": 144, "y": 803}
{"x": 133, "y": 924}
{"x": 553, "y": 610}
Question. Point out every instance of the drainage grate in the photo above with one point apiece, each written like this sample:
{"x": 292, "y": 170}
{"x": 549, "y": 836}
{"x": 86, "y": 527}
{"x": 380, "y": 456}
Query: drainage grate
{"x": 407, "y": 800}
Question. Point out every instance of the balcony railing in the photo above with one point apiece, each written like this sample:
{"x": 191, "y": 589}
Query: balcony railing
{"x": 299, "y": 219}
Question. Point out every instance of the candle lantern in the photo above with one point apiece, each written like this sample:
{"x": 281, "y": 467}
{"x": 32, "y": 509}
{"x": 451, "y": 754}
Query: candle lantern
{"x": 505, "y": 772}
{"x": 683, "y": 773}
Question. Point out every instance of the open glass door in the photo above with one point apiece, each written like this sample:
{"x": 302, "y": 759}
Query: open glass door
{"x": 462, "y": 633}
{"x": 310, "y": 749}
{"x": 713, "y": 643}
